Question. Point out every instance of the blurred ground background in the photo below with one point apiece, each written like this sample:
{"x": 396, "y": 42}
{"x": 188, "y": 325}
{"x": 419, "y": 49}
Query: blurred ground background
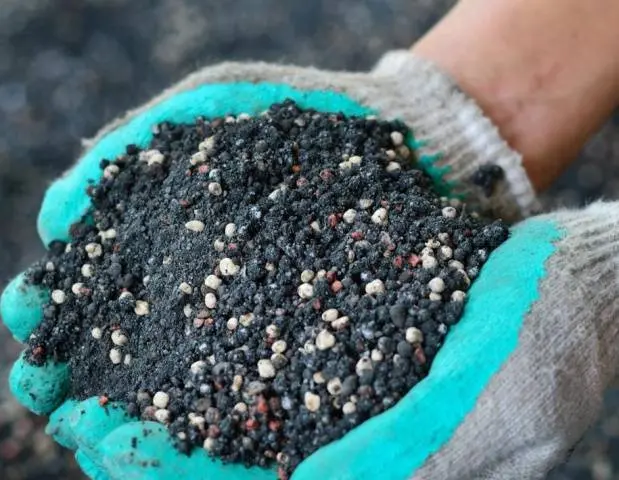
{"x": 69, "y": 66}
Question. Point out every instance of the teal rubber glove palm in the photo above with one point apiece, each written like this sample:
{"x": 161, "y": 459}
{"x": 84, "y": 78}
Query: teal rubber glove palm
{"x": 446, "y": 427}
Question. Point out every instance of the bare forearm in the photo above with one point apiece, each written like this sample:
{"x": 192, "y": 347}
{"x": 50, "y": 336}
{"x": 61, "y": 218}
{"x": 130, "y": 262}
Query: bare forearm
{"x": 546, "y": 72}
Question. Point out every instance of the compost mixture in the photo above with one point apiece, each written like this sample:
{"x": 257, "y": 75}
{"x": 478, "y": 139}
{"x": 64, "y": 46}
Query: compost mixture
{"x": 261, "y": 285}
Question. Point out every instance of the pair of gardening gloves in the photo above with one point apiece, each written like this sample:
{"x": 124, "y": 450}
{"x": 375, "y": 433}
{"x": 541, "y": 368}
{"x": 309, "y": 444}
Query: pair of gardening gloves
{"x": 518, "y": 379}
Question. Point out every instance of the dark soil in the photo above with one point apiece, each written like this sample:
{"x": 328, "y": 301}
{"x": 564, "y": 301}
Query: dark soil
{"x": 487, "y": 177}
{"x": 261, "y": 285}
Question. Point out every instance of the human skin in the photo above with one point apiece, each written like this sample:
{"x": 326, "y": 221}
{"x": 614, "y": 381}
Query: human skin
{"x": 546, "y": 72}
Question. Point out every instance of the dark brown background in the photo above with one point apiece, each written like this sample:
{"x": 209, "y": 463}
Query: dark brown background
{"x": 67, "y": 67}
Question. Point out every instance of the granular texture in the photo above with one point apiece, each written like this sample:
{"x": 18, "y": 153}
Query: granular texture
{"x": 263, "y": 284}
{"x": 487, "y": 177}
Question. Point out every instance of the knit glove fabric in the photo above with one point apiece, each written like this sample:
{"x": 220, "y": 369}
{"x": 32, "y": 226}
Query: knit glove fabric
{"x": 519, "y": 377}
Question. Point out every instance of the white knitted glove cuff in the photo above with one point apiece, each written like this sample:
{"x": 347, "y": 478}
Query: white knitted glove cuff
{"x": 452, "y": 125}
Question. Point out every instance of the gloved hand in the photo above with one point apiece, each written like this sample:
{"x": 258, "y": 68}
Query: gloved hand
{"x": 518, "y": 379}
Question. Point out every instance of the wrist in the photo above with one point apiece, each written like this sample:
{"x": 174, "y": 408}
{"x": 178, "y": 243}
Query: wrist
{"x": 544, "y": 73}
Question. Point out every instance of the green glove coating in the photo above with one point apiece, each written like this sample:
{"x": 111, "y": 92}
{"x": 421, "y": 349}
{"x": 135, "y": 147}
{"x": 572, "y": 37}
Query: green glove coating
{"x": 154, "y": 457}
{"x": 90, "y": 422}
{"x": 90, "y": 468}
{"x": 20, "y": 307}
{"x": 39, "y": 389}
{"x": 59, "y": 427}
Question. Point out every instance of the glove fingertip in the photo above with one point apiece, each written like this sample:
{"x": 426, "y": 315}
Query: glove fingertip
{"x": 144, "y": 450}
{"x": 90, "y": 468}
{"x": 136, "y": 450}
{"x": 92, "y": 419}
{"x": 41, "y": 389}
{"x": 65, "y": 203}
{"x": 21, "y": 307}
{"x": 59, "y": 427}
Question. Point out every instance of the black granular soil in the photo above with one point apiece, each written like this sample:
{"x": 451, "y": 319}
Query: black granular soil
{"x": 487, "y": 177}
{"x": 261, "y": 285}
